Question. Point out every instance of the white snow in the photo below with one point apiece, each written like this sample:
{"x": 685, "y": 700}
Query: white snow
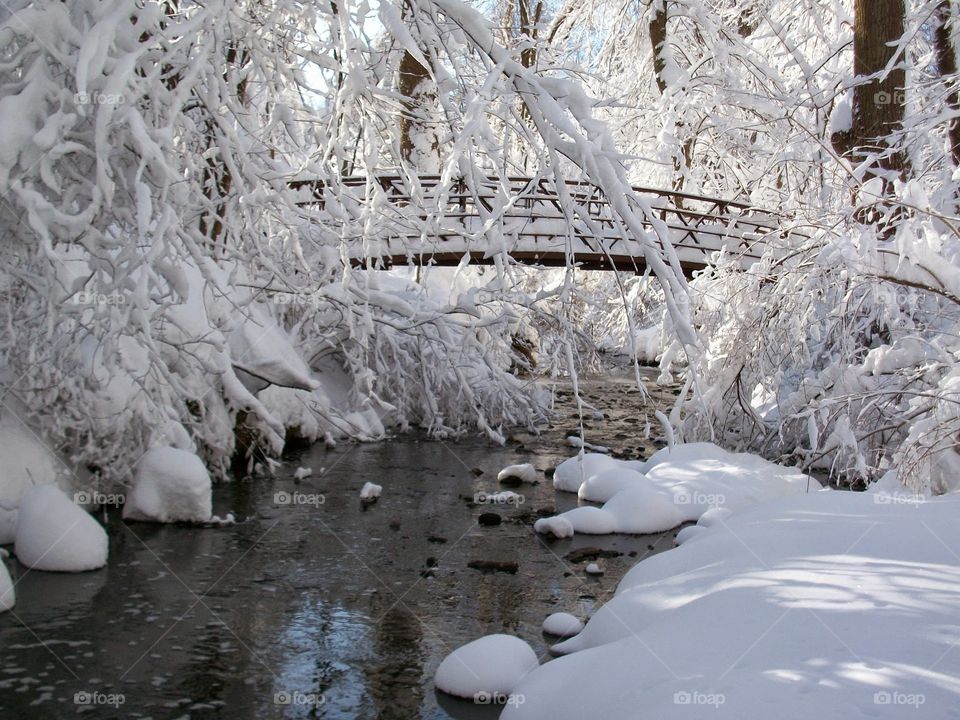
{"x": 828, "y": 605}
{"x": 525, "y": 472}
{"x": 562, "y": 624}
{"x": 171, "y": 485}
{"x": 370, "y": 491}
{"x": 54, "y": 534}
{"x": 489, "y": 666}
{"x": 593, "y": 569}
{"x": 674, "y": 486}
{"x": 571, "y": 473}
{"x": 8, "y": 596}
{"x": 591, "y": 520}
{"x": 605, "y": 484}
{"x": 558, "y": 526}
{"x": 302, "y": 472}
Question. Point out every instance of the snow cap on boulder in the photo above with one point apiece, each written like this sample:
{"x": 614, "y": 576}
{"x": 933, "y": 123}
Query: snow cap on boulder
{"x": 171, "y": 485}
{"x": 54, "y": 534}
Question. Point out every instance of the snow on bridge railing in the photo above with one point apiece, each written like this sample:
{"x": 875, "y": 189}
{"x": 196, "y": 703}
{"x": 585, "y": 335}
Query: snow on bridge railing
{"x": 423, "y": 219}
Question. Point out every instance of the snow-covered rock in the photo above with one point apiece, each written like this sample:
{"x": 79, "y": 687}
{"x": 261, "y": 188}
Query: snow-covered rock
{"x": 370, "y": 491}
{"x": 8, "y": 596}
{"x": 828, "y": 605}
{"x": 54, "y": 534}
{"x": 489, "y": 666}
{"x": 562, "y": 624}
{"x": 571, "y": 473}
{"x": 171, "y": 485}
{"x": 642, "y": 509}
{"x": 558, "y": 526}
{"x": 524, "y": 472}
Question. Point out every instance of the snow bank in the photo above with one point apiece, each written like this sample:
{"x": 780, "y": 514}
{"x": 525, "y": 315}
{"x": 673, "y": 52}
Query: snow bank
{"x": 54, "y": 534}
{"x": 674, "y": 486}
{"x": 562, "y": 624}
{"x": 828, "y": 605}
{"x": 488, "y": 666}
{"x": 171, "y": 486}
{"x": 8, "y": 596}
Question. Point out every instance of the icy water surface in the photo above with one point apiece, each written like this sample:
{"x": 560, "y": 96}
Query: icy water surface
{"x": 313, "y": 605}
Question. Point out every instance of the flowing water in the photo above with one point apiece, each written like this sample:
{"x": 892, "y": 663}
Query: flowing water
{"x": 313, "y": 604}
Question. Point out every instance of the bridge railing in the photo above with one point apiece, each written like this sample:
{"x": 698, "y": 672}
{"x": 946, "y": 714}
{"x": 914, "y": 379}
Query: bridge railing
{"x": 536, "y": 211}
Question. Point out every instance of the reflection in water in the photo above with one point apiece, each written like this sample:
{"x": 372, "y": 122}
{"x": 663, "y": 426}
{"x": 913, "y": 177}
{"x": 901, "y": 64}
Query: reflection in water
{"x": 304, "y": 611}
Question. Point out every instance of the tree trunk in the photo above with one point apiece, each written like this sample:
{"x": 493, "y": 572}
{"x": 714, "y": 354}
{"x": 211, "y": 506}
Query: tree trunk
{"x": 658, "y": 40}
{"x": 878, "y": 104}
{"x": 947, "y": 66}
{"x": 414, "y": 86}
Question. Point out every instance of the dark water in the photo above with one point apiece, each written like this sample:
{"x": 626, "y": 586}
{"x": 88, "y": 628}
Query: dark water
{"x": 310, "y": 609}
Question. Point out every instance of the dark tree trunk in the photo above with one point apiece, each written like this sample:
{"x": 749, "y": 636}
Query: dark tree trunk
{"x": 658, "y": 41}
{"x": 947, "y": 66}
{"x": 413, "y": 85}
{"x": 878, "y": 105}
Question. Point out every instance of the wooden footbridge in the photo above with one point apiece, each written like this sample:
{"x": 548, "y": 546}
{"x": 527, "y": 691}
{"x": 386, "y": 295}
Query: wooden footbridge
{"x": 388, "y": 220}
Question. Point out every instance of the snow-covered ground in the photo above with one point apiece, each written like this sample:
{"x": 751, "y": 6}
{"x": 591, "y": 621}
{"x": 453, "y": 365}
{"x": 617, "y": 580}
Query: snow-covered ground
{"x": 827, "y": 605}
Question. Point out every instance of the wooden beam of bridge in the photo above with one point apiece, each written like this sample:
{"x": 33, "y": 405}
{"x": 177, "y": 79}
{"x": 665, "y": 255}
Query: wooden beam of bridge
{"x": 528, "y": 219}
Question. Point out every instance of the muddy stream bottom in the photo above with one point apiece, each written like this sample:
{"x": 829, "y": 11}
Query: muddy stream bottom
{"x": 313, "y": 605}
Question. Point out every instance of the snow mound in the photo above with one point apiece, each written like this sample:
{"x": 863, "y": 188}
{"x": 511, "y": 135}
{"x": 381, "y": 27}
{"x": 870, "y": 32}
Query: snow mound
{"x": 607, "y": 483}
{"x": 54, "y": 534}
{"x": 491, "y": 665}
{"x": 302, "y": 473}
{"x": 676, "y": 485}
{"x": 370, "y": 491}
{"x": 828, "y": 605}
{"x": 642, "y": 509}
{"x": 171, "y": 485}
{"x": 8, "y": 597}
{"x": 525, "y": 472}
{"x": 689, "y": 533}
{"x": 593, "y": 569}
{"x": 571, "y": 473}
{"x": 557, "y": 526}
{"x": 562, "y": 624}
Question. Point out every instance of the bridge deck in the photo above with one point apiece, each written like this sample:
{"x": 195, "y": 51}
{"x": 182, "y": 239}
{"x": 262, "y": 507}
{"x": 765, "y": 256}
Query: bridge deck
{"x": 533, "y": 220}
